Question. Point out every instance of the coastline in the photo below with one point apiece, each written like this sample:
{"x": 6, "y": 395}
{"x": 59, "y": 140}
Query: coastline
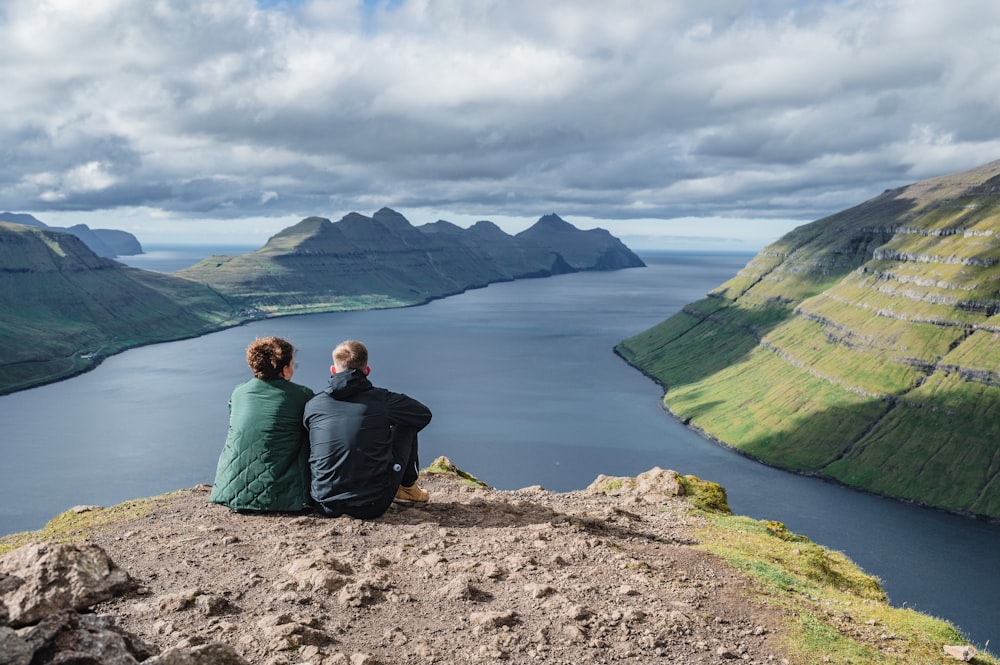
{"x": 716, "y": 465}
{"x": 95, "y": 358}
{"x": 686, "y": 422}
{"x": 99, "y": 356}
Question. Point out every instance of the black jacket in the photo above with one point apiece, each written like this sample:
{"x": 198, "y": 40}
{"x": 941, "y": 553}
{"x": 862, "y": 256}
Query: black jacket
{"x": 350, "y": 429}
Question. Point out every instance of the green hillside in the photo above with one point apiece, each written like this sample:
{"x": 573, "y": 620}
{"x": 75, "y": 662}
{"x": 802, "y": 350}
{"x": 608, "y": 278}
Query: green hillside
{"x": 64, "y": 308}
{"x": 861, "y": 347}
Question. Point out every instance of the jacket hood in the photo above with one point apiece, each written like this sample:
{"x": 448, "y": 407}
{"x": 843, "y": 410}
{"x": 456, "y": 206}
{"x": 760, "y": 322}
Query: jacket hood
{"x": 347, "y": 384}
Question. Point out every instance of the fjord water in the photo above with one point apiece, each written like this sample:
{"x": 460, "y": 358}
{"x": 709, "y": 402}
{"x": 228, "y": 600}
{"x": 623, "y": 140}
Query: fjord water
{"x": 525, "y": 390}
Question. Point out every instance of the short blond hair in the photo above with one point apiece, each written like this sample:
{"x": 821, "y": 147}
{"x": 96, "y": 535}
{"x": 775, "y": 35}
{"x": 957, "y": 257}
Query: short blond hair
{"x": 350, "y": 354}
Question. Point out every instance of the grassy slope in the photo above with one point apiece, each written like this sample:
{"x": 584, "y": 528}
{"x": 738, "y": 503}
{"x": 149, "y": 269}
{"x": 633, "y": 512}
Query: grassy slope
{"x": 834, "y": 611}
{"x": 861, "y": 347}
{"x": 357, "y": 263}
{"x": 65, "y": 308}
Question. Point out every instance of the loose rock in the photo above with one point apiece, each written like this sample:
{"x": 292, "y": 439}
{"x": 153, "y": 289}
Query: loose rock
{"x": 477, "y": 575}
{"x": 43, "y": 578}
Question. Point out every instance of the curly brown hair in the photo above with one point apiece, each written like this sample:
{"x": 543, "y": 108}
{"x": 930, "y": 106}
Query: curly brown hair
{"x": 268, "y": 357}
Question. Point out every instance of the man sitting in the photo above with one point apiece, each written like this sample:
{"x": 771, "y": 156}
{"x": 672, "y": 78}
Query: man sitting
{"x": 362, "y": 441}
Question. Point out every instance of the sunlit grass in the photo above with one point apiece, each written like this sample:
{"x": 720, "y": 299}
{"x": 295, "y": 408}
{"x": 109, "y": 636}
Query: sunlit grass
{"x": 72, "y": 526}
{"x": 862, "y": 347}
{"x": 834, "y": 612}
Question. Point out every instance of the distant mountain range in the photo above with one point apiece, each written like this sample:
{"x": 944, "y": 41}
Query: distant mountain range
{"x": 103, "y": 242}
{"x": 862, "y": 347}
{"x": 64, "y": 308}
{"x": 384, "y": 261}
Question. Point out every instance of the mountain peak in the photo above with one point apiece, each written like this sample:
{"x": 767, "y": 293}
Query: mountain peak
{"x": 441, "y": 226}
{"x": 21, "y": 218}
{"x": 295, "y": 236}
{"x": 307, "y": 227}
{"x": 390, "y": 217}
{"x": 553, "y": 222}
{"x": 486, "y": 227}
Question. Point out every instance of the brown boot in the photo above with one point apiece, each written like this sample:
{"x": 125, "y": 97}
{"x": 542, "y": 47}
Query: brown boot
{"x": 412, "y": 494}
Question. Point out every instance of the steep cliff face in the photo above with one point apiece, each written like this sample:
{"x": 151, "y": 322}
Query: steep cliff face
{"x": 861, "y": 347}
{"x": 118, "y": 243}
{"x": 63, "y": 306}
{"x": 384, "y": 260}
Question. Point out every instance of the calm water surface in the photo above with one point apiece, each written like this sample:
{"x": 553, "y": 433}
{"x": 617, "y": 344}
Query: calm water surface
{"x": 525, "y": 390}
{"x": 171, "y": 258}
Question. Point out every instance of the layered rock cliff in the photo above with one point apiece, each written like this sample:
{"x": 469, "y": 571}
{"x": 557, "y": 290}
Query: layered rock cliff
{"x": 861, "y": 347}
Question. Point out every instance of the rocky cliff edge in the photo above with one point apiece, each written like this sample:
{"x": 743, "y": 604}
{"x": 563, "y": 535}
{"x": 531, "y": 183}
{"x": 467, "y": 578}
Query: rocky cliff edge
{"x": 619, "y": 572}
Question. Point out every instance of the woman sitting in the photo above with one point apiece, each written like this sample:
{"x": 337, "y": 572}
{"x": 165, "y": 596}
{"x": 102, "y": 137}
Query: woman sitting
{"x": 264, "y": 465}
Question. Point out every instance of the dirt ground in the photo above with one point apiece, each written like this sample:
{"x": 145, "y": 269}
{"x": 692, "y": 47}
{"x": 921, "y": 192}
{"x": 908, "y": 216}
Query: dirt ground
{"x": 475, "y": 576}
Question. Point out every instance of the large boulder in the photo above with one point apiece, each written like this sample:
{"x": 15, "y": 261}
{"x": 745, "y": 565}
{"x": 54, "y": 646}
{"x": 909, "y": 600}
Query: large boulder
{"x": 204, "y": 654}
{"x": 42, "y": 585}
{"x": 68, "y": 637}
{"x": 655, "y": 484}
{"x": 41, "y": 579}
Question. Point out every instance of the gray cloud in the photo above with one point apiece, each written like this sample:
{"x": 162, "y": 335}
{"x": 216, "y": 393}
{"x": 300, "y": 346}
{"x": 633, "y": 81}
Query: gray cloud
{"x": 638, "y": 109}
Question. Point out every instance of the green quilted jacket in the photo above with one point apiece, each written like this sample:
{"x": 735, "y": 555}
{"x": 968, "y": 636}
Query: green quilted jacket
{"x": 265, "y": 462}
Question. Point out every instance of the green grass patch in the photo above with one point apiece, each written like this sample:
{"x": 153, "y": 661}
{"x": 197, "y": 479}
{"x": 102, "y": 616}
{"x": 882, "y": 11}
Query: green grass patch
{"x": 704, "y": 339}
{"x": 608, "y": 485}
{"x": 705, "y": 495}
{"x": 937, "y": 446}
{"x": 444, "y": 466}
{"x": 834, "y": 612}
{"x": 72, "y": 526}
{"x": 776, "y": 411}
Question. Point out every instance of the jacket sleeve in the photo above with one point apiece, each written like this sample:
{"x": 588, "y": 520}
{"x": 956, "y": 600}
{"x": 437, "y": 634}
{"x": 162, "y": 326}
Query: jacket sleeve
{"x": 406, "y": 411}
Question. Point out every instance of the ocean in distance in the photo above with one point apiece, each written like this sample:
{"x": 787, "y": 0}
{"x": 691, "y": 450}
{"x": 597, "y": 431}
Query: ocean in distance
{"x": 525, "y": 390}
{"x": 171, "y": 258}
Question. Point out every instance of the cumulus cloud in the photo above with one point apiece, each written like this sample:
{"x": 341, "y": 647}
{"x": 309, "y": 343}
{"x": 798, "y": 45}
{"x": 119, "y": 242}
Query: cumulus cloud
{"x": 637, "y": 109}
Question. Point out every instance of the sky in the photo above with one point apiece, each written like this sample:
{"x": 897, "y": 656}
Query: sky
{"x": 710, "y": 124}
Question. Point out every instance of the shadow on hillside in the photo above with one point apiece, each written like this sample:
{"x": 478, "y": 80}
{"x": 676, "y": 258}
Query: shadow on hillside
{"x": 710, "y": 346}
{"x": 815, "y": 255}
{"x": 691, "y": 416}
{"x": 938, "y": 451}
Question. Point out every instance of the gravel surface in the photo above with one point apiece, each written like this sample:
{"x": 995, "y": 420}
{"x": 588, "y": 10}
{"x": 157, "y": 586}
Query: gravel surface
{"x": 475, "y": 576}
